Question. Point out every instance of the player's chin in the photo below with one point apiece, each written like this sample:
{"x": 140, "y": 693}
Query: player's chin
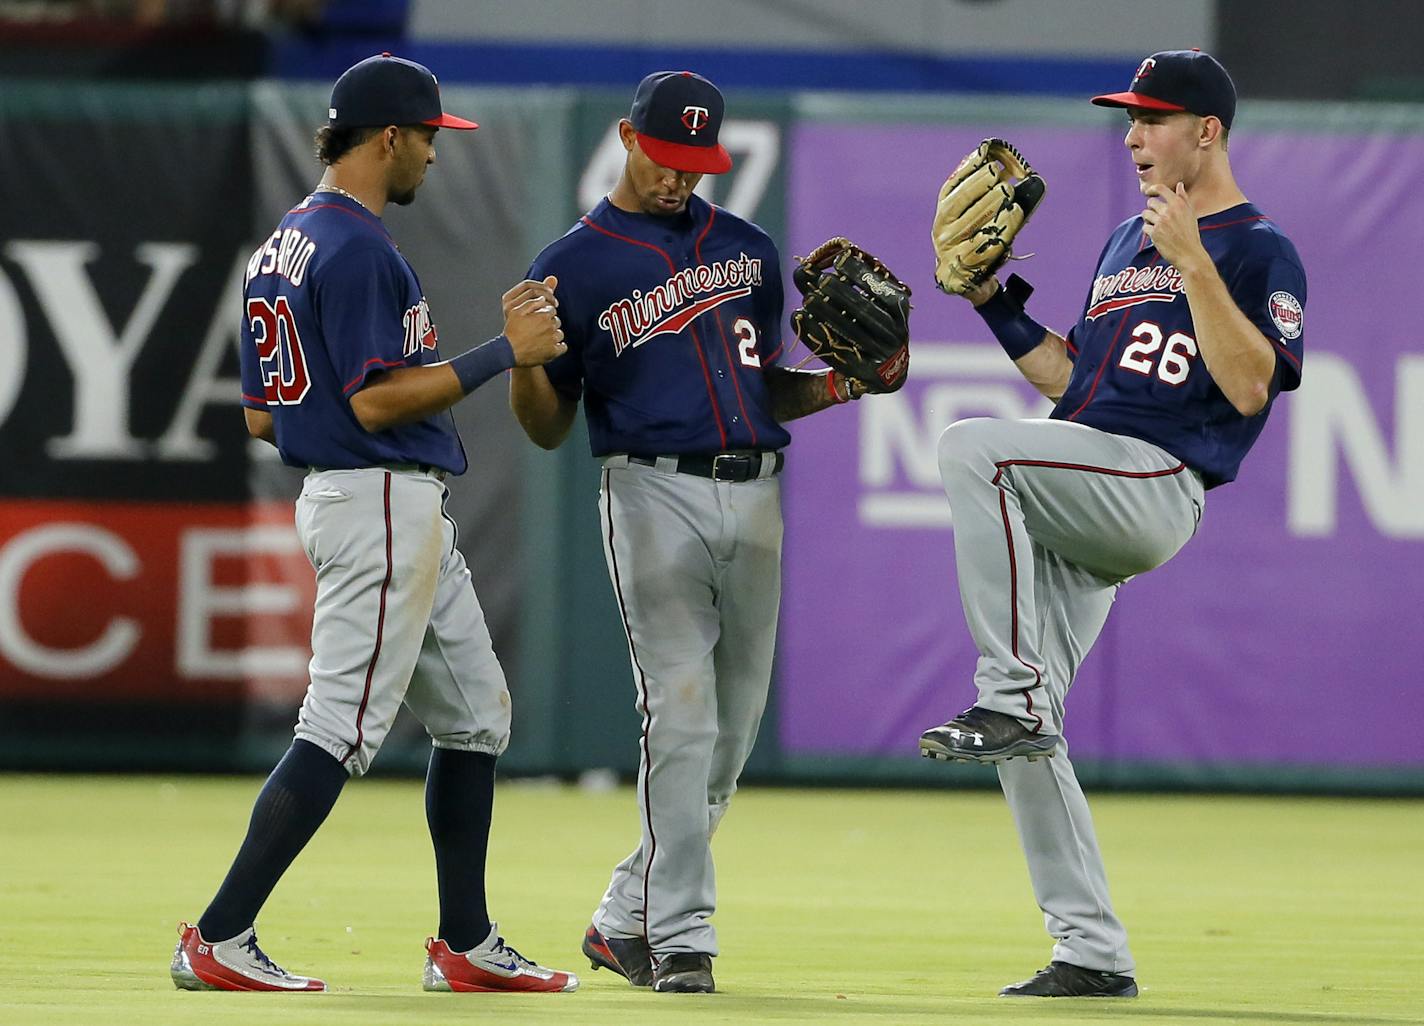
{"x": 403, "y": 199}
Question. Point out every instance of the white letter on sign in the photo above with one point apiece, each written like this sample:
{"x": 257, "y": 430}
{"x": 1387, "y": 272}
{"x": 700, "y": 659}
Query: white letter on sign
{"x": 100, "y": 358}
{"x": 16, "y": 558}
{"x": 1333, "y": 424}
{"x": 200, "y": 601}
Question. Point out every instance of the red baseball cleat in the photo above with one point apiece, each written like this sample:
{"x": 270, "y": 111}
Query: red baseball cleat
{"x": 234, "y": 964}
{"x": 491, "y": 966}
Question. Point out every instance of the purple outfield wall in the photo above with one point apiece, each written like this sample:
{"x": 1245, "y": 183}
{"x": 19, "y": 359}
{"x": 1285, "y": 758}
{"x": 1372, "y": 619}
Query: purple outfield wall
{"x": 1287, "y": 632}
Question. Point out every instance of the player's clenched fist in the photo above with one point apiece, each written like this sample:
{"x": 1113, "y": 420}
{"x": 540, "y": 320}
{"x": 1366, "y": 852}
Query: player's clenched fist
{"x": 531, "y": 322}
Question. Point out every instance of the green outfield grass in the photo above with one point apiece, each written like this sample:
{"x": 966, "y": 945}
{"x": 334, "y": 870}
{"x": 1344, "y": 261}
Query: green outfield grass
{"x": 837, "y": 907}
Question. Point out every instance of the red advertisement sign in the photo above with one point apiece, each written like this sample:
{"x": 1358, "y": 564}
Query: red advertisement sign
{"x": 191, "y": 602}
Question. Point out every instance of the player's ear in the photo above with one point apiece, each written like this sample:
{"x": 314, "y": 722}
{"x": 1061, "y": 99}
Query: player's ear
{"x": 1209, "y": 130}
{"x": 627, "y": 134}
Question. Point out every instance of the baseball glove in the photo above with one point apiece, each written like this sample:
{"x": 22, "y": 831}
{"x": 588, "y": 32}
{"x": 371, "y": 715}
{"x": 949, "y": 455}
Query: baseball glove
{"x": 981, "y": 209}
{"x": 854, "y": 315}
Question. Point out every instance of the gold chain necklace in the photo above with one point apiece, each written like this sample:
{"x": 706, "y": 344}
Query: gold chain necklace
{"x": 323, "y": 187}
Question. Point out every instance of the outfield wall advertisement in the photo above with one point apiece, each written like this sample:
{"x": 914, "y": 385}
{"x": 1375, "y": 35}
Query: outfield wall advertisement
{"x": 1286, "y": 633}
{"x": 153, "y": 592}
{"x": 155, "y": 605}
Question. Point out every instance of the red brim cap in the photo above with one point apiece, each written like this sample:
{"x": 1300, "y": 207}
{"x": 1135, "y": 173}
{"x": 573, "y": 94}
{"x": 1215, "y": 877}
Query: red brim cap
{"x": 450, "y": 121}
{"x": 703, "y": 160}
{"x": 1135, "y": 100}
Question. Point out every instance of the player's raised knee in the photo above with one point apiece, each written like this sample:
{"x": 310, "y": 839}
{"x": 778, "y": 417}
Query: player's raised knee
{"x": 962, "y": 444}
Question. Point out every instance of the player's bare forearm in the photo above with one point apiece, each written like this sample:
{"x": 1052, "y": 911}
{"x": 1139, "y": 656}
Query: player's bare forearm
{"x": 800, "y": 393}
{"x": 1047, "y": 368}
{"x": 1236, "y": 354}
{"x": 406, "y": 395}
{"x": 260, "y": 425}
{"x": 544, "y": 414}
{"x": 1239, "y": 358}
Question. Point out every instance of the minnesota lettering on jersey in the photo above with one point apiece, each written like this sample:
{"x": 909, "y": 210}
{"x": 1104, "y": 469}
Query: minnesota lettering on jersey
{"x": 1133, "y": 285}
{"x": 286, "y": 253}
{"x": 668, "y": 308}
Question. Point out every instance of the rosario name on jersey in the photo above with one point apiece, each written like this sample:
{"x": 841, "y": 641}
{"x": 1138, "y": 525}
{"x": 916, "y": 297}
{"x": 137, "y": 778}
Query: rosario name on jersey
{"x": 1137, "y": 369}
{"x": 670, "y": 322}
{"x": 328, "y": 300}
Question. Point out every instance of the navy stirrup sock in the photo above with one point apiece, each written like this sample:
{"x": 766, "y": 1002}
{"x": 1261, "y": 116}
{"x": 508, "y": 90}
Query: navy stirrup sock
{"x": 292, "y": 804}
{"x": 459, "y": 800}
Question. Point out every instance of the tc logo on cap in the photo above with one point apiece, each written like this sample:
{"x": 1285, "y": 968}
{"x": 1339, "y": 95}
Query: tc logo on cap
{"x": 694, "y": 118}
{"x": 1144, "y": 69}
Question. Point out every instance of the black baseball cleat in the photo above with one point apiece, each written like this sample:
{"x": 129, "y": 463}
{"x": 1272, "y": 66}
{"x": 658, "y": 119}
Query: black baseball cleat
{"x": 1064, "y": 979}
{"x": 684, "y": 972}
{"x": 627, "y": 956}
{"x": 982, "y": 735}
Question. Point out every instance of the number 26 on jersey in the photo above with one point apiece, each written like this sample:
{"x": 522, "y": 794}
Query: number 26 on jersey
{"x": 1177, "y": 352}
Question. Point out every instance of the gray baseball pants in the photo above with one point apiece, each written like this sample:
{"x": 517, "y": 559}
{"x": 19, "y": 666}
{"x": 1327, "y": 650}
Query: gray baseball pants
{"x": 696, "y": 570}
{"x": 396, "y": 619}
{"x": 1050, "y": 518}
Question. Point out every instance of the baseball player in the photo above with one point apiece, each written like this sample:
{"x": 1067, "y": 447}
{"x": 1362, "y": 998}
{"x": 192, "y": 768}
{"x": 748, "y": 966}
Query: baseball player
{"x": 1190, "y": 330}
{"x": 673, "y": 314}
{"x": 341, "y": 372}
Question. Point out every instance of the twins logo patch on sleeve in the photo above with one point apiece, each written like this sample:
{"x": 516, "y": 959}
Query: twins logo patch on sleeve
{"x": 1286, "y": 314}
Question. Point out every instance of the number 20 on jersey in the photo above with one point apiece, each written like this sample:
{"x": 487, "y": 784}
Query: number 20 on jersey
{"x": 284, "y": 366}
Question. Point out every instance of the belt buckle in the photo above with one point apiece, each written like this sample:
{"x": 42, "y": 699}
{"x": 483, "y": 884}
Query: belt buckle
{"x": 728, "y": 460}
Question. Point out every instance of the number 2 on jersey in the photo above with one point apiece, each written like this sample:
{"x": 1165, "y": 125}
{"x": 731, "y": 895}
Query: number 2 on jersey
{"x": 284, "y": 366}
{"x": 746, "y": 334}
{"x": 1173, "y": 366}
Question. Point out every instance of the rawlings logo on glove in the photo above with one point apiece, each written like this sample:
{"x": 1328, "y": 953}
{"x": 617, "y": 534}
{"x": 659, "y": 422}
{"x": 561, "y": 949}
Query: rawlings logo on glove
{"x": 982, "y": 206}
{"x": 855, "y": 314}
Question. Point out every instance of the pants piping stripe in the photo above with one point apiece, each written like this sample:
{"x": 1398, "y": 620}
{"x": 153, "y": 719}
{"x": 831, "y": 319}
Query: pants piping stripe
{"x": 380, "y": 629}
{"x": 1014, "y": 609}
{"x": 642, "y": 683}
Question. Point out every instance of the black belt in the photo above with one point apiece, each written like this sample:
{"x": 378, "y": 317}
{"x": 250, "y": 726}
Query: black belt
{"x": 719, "y": 466}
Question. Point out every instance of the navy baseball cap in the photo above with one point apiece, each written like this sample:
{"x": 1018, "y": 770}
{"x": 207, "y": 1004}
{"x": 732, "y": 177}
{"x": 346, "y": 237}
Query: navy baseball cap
{"x": 386, "y": 90}
{"x": 1179, "y": 80}
{"x": 677, "y": 115}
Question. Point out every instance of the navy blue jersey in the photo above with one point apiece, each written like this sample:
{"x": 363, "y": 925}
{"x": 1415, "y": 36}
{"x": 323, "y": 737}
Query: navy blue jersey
{"x": 1136, "y": 367}
{"x": 328, "y": 301}
{"x": 670, "y": 322}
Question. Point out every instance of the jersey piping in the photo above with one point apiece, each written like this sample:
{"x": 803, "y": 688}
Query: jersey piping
{"x": 722, "y": 330}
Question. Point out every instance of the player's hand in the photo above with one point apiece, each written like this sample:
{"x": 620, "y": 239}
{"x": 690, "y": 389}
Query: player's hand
{"x": 1170, "y": 222}
{"x": 531, "y": 322}
{"x": 981, "y": 294}
{"x": 529, "y": 289}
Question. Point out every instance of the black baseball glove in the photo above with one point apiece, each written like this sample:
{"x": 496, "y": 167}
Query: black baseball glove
{"x": 854, "y": 315}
